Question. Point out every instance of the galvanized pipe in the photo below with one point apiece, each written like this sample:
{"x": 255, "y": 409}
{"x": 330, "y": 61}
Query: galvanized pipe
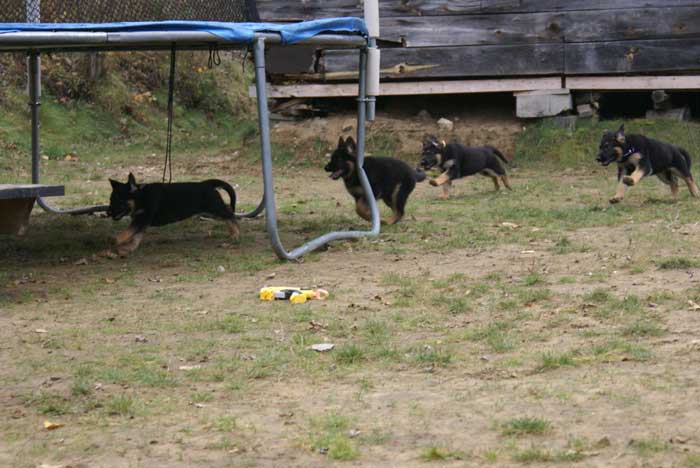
{"x": 252, "y": 214}
{"x": 373, "y": 74}
{"x": 77, "y": 40}
{"x": 34, "y": 82}
{"x": 266, "y": 156}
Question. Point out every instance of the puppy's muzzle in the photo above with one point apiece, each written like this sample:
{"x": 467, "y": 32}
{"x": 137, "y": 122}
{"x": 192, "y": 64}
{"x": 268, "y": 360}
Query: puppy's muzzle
{"x": 426, "y": 164}
{"x": 604, "y": 160}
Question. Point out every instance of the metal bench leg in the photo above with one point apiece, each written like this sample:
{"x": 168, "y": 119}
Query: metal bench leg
{"x": 266, "y": 155}
{"x": 34, "y": 103}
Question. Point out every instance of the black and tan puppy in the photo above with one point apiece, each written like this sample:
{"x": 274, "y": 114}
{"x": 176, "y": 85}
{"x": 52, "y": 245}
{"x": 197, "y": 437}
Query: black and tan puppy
{"x": 638, "y": 156}
{"x": 160, "y": 204}
{"x": 458, "y": 161}
{"x": 391, "y": 180}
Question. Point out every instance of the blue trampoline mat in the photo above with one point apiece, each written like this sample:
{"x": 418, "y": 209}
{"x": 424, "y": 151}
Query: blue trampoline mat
{"x": 233, "y": 32}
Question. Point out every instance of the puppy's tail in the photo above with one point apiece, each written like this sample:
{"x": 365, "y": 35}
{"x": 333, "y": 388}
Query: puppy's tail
{"x": 226, "y": 187}
{"x": 686, "y": 156}
{"x": 420, "y": 175}
{"x": 499, "y": 155}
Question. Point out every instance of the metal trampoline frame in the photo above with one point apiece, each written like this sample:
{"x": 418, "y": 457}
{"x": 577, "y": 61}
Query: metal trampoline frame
{"x": 34, "y": 43}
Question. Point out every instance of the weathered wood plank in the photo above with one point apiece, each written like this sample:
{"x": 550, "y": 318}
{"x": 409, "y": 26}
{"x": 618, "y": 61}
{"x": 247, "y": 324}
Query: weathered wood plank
{"x": 640, "y": 23}
{"x": 520, "y": 6}
{"x": 422, "y": 31}
{"x": 653, "y": 56}
{"x": 281, "y": 60}
{"x": 276, "y": 10}
{"x": 14, "y": 215}
{"x": 407, "y": 88}
{"x": 10, "y": 191}
{"x": 442, "y": 62}
{"x": 612, "y": 83}
{"x": 579, "y": 26}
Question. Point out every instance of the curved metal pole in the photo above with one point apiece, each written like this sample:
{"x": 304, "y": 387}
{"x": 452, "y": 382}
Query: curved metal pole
{"x": 266, "y": 156}
{"x": 253, "y": 214}
{"x": 34, "y": 103}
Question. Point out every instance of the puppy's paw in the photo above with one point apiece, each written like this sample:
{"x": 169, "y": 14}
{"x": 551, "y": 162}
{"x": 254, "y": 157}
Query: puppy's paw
{"x": 627, "y": 180}
{"x": 433, "y": 182}
{"x": 615, "y": 200}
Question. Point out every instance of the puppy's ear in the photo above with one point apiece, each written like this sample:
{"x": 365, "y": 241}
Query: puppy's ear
{"x": 341, "y": 142}
{"x": 350, "y": 146}
{"x": 115, "y": 184}
{"x": 620, "y": 135}
{"x": 132, "y": 183}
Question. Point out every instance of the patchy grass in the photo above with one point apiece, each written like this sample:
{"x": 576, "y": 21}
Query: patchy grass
{"x": 525, "y": 425}
{"x": 551, "y": 360}
{"x": 533, "y": 454}
{"x": 434, "y": 454}
{"x": 122, "y": 405}
{"x": 649, "y": 446}
{"x": 677, "y": 263}
{"x": 329, "y": 436}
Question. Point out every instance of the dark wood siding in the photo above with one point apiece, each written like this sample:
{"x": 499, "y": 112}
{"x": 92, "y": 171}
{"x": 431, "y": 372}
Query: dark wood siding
{"x": 424, "y": 39}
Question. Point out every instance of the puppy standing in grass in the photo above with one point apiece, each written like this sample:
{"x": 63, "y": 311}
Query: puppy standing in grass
{"x": 391, "y": 180}
{"x": 460, "y": 161}
{"x": 638, "y": 156}
{"x": 160, "y": 204}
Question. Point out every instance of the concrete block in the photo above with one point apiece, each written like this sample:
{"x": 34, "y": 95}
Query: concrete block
{"x": 681, "y": 114}
{"x": 585, "y": 110}
{"x": 542, "y": 105}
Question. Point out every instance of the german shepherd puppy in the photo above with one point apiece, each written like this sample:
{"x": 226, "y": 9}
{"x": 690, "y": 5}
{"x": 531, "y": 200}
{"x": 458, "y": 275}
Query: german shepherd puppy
{"x": 638, "y": 156}
{"x": 457, "y": 161}
{"x": 391, "y": 180}
{"x": 160, "y": 204}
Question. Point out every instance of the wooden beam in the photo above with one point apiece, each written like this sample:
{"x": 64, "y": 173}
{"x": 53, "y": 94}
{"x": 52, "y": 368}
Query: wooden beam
{"x": 549, "y": 27}
{"x": 453, "y": 62}
{"x": 276, "y": 10}
{"x": 10, "y": 191}
{"x": 614, "y": 83}
{"x": 633, "y": 57}
{"x": 416, "y": 88}
{"x": 14, "y": 216}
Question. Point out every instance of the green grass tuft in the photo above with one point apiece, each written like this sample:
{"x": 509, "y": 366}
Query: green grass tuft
{"x": 525, "y": 425}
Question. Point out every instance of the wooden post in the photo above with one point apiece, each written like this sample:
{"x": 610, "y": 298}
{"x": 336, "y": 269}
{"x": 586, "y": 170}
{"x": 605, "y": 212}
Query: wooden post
{"x": 14, "y": 215}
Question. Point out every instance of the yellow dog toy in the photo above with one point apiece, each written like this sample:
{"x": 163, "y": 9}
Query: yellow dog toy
{"x": 291, "y": 294}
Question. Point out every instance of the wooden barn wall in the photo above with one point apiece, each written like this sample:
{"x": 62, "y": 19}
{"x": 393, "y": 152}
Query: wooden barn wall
{"x": 423, "y": 39}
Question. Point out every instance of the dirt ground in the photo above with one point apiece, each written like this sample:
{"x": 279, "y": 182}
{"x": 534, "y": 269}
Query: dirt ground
{"x": 534, "y": 327}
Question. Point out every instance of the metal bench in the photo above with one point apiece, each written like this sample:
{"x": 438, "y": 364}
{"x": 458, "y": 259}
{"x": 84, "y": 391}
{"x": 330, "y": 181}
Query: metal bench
{"x": 17, "y": 201}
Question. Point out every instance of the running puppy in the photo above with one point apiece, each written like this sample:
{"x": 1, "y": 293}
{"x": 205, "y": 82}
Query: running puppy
{"x": 161, "y": 204}
{"x": 391, "y": 180}
{"x": 457, "y": 161}
{"x": 638, "y": 156}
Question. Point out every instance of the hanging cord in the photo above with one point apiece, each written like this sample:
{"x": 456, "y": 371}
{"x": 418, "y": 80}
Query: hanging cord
{"x": 243, "y": 60}
{"x": 168, "y": 165}
{"x": 214, "y": 57}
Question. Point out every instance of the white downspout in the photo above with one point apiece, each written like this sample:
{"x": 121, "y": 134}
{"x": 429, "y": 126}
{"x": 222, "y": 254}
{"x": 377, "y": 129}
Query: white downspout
{"x": 373, "y": 56}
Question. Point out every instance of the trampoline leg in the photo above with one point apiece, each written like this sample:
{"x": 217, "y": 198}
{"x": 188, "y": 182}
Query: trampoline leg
{"x": 34, "y": 89}
{"x": 266, "y": 156}
{"x": 252, "y": 214}
{"x": 34, "y": 103}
